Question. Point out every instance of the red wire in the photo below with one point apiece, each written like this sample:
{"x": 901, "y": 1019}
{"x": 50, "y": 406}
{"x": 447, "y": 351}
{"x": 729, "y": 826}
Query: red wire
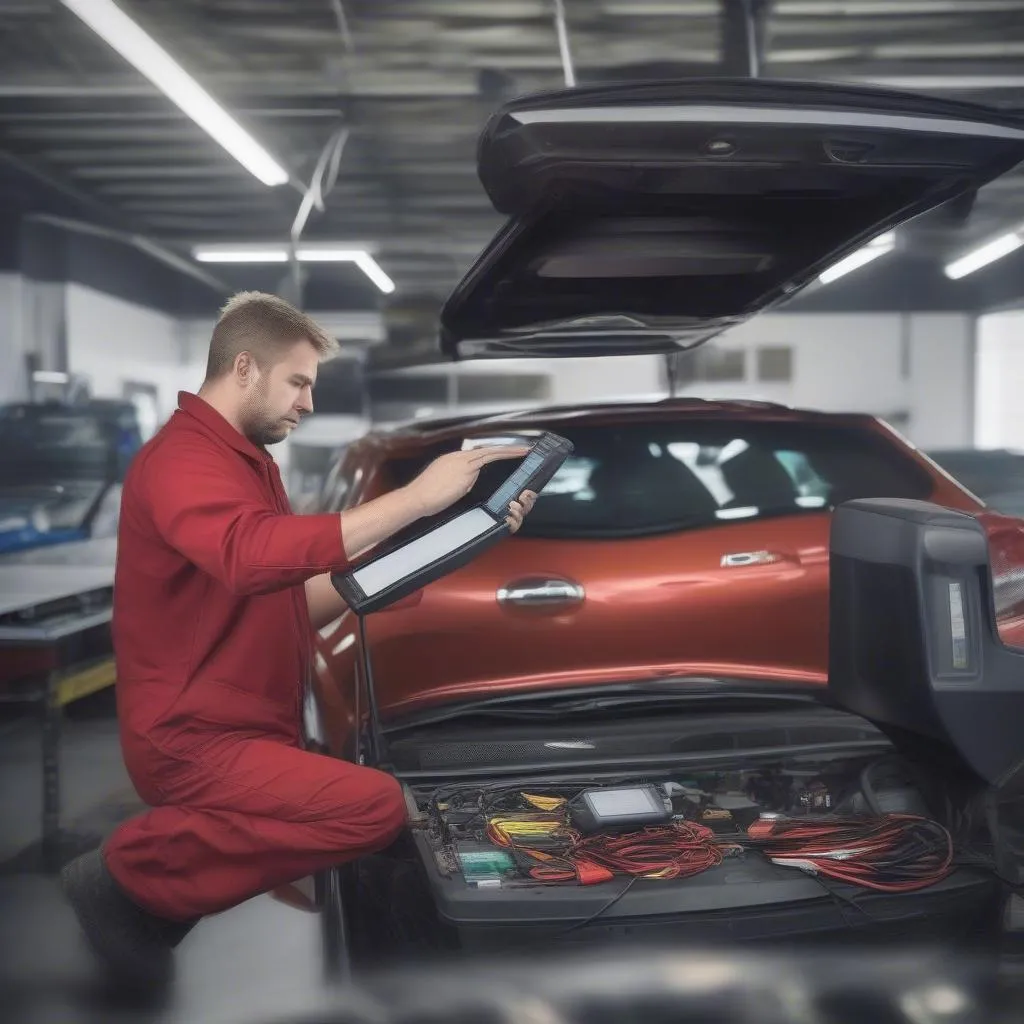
{"x": 680, "y": 850}
{"x": 887, "y": 853}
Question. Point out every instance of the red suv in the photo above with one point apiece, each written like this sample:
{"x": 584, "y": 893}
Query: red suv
{"x": 682, "y": 538}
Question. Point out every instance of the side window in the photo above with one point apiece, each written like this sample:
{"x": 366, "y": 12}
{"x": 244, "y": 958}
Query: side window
{"x": 807, "y": 482}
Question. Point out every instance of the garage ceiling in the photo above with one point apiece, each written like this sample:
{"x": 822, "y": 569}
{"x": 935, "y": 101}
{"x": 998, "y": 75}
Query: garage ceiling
{"x": 413, "y": 81}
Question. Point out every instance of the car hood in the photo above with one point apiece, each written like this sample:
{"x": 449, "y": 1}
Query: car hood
{"x": 649, "y": 218}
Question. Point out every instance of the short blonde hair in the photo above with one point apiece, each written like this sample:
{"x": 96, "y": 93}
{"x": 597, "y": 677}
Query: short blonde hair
{"x": 262, "y": 324}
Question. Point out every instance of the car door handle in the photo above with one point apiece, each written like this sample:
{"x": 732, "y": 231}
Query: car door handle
{"x": 539, "y": 592}
{"x": 745, "y": 559}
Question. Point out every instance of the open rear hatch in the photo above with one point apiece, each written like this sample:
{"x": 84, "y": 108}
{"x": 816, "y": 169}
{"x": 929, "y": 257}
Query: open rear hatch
{"x": 645, "y": 218}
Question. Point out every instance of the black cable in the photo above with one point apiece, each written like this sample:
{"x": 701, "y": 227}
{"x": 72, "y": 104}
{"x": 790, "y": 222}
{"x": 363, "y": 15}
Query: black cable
{"x": 842, "y": 901}
{"x": 604, "y": 909}
{"x": 376, "y": 759}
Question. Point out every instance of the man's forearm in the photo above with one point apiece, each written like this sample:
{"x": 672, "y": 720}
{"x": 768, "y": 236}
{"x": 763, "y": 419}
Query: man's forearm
{"x": 365, "y": 526}
{"x": 362, "y": 529}
{"x": 325, "y": 603}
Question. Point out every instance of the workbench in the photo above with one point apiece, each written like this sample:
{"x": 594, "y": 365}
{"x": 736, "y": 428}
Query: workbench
{"x": 54, "y": 624}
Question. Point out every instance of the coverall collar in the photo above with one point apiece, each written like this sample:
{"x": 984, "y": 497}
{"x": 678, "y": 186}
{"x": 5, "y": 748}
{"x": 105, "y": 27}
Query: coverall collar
{"x": 201, "y": 410}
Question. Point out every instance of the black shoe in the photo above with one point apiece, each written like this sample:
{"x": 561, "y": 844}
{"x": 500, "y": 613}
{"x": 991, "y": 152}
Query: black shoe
{"x": 134, "y": 946}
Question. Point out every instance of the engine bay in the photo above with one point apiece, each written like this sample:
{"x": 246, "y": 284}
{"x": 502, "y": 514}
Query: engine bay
{"x": 859, "y": 820}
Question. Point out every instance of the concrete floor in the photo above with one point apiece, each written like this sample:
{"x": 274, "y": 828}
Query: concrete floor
{"x": 258, "y": 962}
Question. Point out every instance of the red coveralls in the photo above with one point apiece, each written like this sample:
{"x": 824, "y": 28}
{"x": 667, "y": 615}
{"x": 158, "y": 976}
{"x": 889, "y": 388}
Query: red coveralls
{"x": 213, "y": 639}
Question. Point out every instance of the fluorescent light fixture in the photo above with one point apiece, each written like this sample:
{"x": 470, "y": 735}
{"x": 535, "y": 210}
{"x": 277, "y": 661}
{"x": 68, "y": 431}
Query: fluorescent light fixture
{"x": 306, "y": 254}
{"x": 150, "y": 59}
{"x": 875, "y": 248}
{"x": 50, "y": 377}
{"x": 983, "y": 256}
{"x": 371, "y": 268}
{"x": 241, "y": 255}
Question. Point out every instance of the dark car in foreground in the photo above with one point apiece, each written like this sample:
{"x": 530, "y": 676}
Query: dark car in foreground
{"x": 704, "y": 804}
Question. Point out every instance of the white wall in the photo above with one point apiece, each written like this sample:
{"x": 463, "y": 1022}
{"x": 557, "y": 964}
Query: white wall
{"x": 840, "y": 362}
{"x": 918, "y": 366}
{"x": 111, "y": 341}
{"x": 999, "y": 408}
{"x": 921, "y": 365}
{"x": 572, "y": 380}
{"x": 13, "y": 386}
{"x": 942, "y": 379}
{"x": 33, "y": 319}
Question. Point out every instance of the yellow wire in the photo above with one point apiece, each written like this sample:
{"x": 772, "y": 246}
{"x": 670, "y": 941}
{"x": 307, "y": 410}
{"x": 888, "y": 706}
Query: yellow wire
{"x": 545, "y": 803}
{"x": 513, "y": 828}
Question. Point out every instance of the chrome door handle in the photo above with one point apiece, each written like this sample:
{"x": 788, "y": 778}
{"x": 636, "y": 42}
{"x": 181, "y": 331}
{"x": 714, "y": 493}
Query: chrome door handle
{"x": 537, "y": 592}
{"x": 742, "y": 559}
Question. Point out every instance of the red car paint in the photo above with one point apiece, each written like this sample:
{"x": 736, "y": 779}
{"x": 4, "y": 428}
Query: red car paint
{"x": 654, "y": 606}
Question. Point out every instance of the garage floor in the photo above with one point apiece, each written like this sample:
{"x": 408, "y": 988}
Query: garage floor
{"x": 258, "y": 962}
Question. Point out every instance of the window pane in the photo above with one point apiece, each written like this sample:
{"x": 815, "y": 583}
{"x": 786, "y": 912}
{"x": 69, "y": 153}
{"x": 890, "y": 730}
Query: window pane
{"x": 647, "y": 478}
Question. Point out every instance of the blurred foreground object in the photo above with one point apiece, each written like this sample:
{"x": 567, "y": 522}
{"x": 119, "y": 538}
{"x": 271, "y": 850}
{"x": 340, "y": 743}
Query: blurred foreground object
{"x": 691, "y": 985}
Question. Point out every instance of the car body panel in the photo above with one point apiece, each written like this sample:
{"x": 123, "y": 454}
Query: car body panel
{"x": 738, "y": 600}
{"x": 649, "y": 217}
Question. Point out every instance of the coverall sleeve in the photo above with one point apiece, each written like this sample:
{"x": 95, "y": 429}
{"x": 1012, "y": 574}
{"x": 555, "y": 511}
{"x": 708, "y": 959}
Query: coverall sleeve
{"x": 201, "y": 506}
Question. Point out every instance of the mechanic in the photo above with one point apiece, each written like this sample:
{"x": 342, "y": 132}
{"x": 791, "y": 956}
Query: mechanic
{"x": 218, "y": 591}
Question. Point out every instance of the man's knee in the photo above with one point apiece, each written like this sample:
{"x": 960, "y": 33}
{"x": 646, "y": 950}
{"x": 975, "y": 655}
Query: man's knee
{"x": 376, "y": 817}
{"x": 391, "y": 814}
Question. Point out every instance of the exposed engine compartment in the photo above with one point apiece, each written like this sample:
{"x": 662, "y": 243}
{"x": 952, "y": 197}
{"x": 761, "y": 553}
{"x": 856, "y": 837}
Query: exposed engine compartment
{"x": 699, "y": 875}
{"x": 498, "y": 834}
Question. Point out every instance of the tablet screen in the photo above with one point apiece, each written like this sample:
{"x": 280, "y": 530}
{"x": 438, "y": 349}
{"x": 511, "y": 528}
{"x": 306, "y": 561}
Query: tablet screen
{"x": 622, "y": 803}
{"x": 395, "y": 566}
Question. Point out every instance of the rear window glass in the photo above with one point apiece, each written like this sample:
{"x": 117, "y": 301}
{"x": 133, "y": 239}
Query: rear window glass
{"x": 660, "y": 477}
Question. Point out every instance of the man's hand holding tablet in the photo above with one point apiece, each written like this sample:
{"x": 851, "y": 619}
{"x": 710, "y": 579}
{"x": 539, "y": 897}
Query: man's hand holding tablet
{"x": 452, "y": 476}
{"x": 445, "y": 547}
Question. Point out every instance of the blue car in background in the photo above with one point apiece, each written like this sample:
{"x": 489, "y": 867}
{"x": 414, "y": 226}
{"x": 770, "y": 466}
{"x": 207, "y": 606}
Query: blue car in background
{"x": 61, "y": 470}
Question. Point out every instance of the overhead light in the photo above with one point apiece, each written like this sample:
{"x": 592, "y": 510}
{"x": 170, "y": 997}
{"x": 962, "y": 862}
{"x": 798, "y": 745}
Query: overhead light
{"x": 150, "y": 59}
{"x": 875, "y": 248}
{"x": 241, "y": 255}
{"x": 323, "y": 253}
{"x": 50, "y": 377}
{"x": 372, "y": 269}
{"x": 983, "y": 256}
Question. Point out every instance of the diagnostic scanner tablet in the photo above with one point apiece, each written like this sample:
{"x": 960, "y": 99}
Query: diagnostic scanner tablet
{"x": 387, "y": 578}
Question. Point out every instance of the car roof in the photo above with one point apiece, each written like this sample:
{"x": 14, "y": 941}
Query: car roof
{"x": 425, "y": 433}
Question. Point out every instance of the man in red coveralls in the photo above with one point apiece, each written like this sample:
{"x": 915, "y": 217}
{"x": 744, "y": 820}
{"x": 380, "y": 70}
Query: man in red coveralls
{"x": 218, "y": 591}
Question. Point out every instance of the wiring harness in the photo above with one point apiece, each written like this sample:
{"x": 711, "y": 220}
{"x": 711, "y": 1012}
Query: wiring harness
{"x": 550, "y": 850}
{"x": 680, "y": 850}
{"x": 888, "y": 853}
